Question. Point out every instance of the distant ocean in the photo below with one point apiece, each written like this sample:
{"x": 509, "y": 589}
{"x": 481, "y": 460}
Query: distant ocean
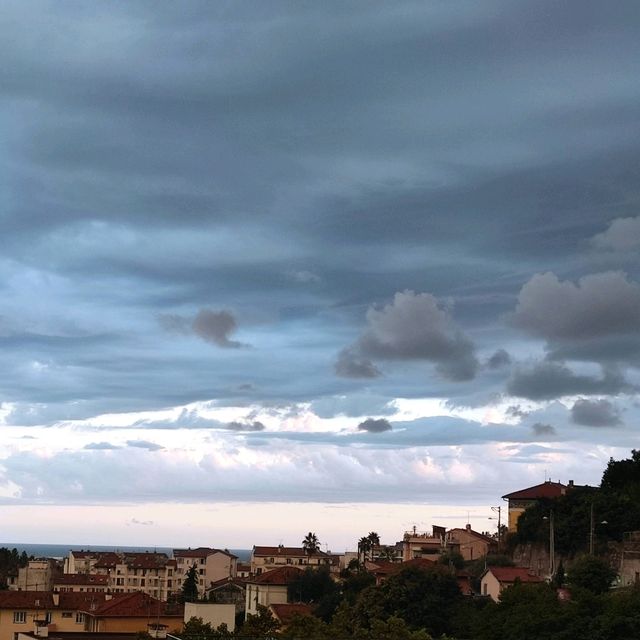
{"x": 62, "y": 550}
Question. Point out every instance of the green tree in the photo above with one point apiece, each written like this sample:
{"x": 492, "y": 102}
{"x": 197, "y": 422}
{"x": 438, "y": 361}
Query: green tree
{"x": 307, "y": 627}
{"x": 311, "y": 544}
{"x": 260, "y": 625}
{"x": 452, "y": 559}
{"x": 190, "y": 589}
{"x": 364, "y": 546}
{"x": 591, "y": 573}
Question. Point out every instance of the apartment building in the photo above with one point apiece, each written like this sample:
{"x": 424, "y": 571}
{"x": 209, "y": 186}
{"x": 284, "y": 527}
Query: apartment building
{"x": 267, "y": 558}
{"x": 38, "y": 575}
{"x": 150, "y": 572}
{"x": 28, "y": 611}
{"x": 81, "y": 583}
{"x": 417, "y": 544}
{"x": 211, "y": 565}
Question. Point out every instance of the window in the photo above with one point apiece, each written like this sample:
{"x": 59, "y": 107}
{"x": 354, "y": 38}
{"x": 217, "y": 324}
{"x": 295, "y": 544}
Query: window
{"x": 289, "y": 561}
{"x": 201, "y": 572}
{"x": 170, "y": 572}
{"x": 79, "y": 618}
{"x": 19, "y": 617}
{"x": 169, "y": 583}
{"x": 484, "y": 589}
{"x": 142, "y": 581}
{"x": 119, "y": 581}
{"x": 201, "y": 560}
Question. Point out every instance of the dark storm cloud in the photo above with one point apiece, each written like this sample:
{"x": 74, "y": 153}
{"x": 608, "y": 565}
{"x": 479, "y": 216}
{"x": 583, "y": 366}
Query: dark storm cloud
{"x": 540, "y": 429}
{"x": 256, "y": 425}
{"x": 375, "y": 426}
{"x": 415, "y": 327}
{"x": 595, "y": 413}
{"x": 547, "y": 380}
{"x": 351, "y": 364}
{"x": 599, "y": 305}
{"x": 212, "y": 326}
{"x": 499, "y": 359}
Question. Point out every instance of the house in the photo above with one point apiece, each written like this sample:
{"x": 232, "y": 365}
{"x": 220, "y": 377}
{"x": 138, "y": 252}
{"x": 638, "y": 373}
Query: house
{"x": 38, "y": 575}
{"x": 211, "y": 565}
{"x": 81, "y": 583}
{"x": 270, "y": 587}
{"x": 243, "y": 569}
{"x": 472, "y": 545}
{"x": 382, "y": 569}
{"x": 283, "y": 613}
{"x": 426, "y": 545}
{"x": 26, "y": 611}
{"x": 132, "y": 612}
{"x": 228, "y": 591}
{"x": 268, "y": 558}
{"x": 495, "y": 579}
{"x": 522, "y": 499}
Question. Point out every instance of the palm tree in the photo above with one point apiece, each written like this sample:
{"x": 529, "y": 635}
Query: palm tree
{"x": 364, "y": 546}
{"x": 311, "y": 544}
{"x": 388, "y": 553}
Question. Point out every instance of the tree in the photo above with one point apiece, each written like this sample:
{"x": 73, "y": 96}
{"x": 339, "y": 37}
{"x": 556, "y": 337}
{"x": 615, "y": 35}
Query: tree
{"x": 364, "y": 546}
{"x": 307, "y": 627}
{"x": 452, "y": 559}
{"x": 311, "y": 544}
{"x": 387, "y": 554}
{"x": 190, "y": 589}
{"x": 591, "y": 573}
{"x": 260, "y": 625}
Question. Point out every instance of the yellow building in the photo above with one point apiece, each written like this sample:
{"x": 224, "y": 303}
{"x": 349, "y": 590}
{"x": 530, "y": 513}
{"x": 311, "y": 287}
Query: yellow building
{"x": 521, "y": 500}
{"x": 23, "y": 611}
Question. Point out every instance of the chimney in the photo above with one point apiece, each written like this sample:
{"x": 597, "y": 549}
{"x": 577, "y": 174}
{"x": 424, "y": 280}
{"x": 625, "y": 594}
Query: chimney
{"x": 468, "y": 527}
{"x": 571, "y": 483}
{"x": 56, "y": 599}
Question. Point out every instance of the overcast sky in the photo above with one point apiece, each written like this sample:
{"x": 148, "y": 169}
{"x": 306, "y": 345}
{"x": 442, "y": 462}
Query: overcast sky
{"x": 375, "y": 262}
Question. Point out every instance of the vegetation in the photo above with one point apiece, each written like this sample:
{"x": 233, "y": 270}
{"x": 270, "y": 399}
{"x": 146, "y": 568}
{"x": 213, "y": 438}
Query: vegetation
{"x": 190, "y": 591}
{"x": 10, "y": 562}
{"x": 311, "y": 543}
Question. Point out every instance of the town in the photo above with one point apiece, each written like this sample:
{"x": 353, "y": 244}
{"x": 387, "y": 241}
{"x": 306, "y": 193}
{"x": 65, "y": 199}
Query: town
{"x": 207, "y": 591}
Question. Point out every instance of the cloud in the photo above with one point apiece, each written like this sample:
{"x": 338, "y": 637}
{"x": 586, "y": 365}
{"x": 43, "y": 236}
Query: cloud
{"x": 540, "y": 429}
{"x": 599, "y": 305}
{"x": 256, "y": 425}
{"x": 375, "y": 426}
{"x": 499, "y": 359}
{"x": 101, "y": 446}
{"x": 212, "y": 326}
{"x": 351, "y": 364}
{"x": 353, "y": 405}
{"x": 415, "y": 327}
{"x": 144, "y": 444}
{"x": 516, "y": 411}
{"x": 623, "y": 234}
{"x": 547, "y": 380}
{"x": 595, "y": 413}
{"x": 143, "y": 523}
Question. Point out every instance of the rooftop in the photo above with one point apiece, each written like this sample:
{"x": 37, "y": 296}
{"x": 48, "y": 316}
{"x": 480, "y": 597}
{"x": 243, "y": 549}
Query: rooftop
{"x": 509, "y": 575}
{"x": 547, "y": 489}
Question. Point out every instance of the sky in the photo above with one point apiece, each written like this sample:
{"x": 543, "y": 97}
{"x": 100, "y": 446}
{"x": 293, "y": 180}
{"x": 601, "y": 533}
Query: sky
{"x": 272, "y": 267}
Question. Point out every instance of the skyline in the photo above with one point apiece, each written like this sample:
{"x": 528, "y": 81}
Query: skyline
{"x": 316, "y": 257}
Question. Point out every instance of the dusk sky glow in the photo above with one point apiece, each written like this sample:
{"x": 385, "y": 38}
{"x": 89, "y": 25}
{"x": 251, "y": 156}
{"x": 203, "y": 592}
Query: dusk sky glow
{"x": 273, "y": 267}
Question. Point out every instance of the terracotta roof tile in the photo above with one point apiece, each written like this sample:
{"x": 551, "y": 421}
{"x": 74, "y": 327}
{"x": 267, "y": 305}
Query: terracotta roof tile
{"x": 297, "y": 552}
{"x": 26, "y": 600}
{"x": 545, "y": 490}
{"x": 508, "y": 575}
{"x": 284, "y": 612}
{"x": 200, "y": 552}
{"x": 133, "y": 605}
{"x": 282, "y": 576}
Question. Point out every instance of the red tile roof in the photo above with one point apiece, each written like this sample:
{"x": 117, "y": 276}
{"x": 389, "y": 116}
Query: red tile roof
{"x": 475, "y": 534}
{"x": 81, "y": 601}
{"x": 133, "y": 605}
{"x": 200, "y": 552}
{"x": 146, "y": 560}
{"x": 281, "y": 576}
{"x": 545, "y": 490}
{"x": 82, "y": 579}
{"x": 107, "y": 560}
{"x": 297, "y": 552}
{"x": 26, "y": 600}
{"x": 284, "y": 612}
{"x": 508, "y": 575}
{"x": 45, "y": 600}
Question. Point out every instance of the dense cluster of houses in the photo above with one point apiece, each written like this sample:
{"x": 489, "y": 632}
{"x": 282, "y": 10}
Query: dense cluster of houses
{"x": 123, "y": 592}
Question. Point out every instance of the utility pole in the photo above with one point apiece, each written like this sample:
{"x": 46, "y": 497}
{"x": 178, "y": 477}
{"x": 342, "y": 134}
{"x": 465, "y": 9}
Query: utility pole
{"x": 498, "y": 510}
{"x": 591, "y": 531}
{"x": 552, "y": 546}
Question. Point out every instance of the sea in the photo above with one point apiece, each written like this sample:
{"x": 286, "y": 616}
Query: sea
{"x": 62, "y": 550}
